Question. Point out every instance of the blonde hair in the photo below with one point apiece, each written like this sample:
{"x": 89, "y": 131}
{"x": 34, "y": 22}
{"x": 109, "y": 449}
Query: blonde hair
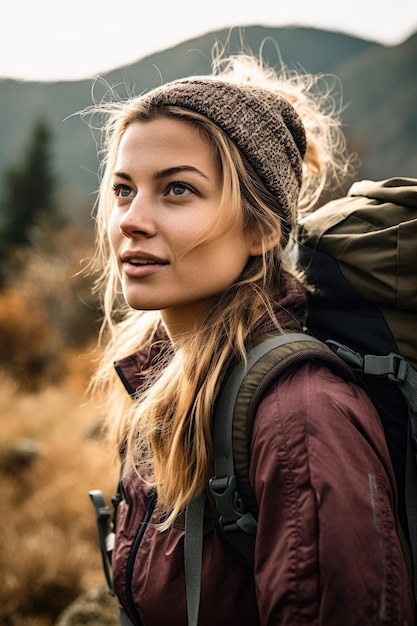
{"x": 166, "y": 433}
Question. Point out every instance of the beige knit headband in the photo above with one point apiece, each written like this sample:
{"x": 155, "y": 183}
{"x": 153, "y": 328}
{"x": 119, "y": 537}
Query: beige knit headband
{"x": 263, "y": 125}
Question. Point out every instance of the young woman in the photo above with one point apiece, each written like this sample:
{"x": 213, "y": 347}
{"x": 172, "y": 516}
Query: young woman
{"x": 203, "y": 179}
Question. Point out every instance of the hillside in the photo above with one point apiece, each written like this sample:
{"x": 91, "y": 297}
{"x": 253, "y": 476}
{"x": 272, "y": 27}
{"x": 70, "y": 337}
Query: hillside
{"x": 378, "y": 83}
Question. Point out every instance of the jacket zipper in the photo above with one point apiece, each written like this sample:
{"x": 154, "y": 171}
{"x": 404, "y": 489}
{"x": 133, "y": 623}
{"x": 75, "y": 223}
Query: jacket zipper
{"x": 150, "y": 505}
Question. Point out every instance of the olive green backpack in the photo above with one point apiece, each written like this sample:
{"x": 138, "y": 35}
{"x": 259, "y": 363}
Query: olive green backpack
{"x": 360, "y": 254}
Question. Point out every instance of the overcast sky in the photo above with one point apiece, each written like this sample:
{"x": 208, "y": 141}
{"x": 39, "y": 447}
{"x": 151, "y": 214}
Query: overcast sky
{"x": 52, "y": 40}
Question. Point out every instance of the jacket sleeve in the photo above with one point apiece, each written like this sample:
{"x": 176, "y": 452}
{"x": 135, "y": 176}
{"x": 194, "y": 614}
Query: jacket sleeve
{"x": 327, "y": 551}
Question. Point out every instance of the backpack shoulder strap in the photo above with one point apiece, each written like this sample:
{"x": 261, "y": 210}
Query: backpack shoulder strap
{"x": 193, "y": 555}
{"x": 235, "y": 504}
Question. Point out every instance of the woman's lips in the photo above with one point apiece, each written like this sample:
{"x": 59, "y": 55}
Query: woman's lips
{"x": 138, "y": 264}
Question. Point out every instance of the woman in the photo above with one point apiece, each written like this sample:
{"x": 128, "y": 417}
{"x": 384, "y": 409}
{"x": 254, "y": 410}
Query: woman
{"x": 203, "y": 181}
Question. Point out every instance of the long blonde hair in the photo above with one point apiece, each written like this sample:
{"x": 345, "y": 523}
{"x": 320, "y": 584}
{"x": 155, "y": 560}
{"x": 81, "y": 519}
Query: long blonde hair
{"x": 166, "y": 433}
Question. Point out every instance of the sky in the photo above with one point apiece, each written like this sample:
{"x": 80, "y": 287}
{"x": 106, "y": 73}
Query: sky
{"x": 49, "y": 40}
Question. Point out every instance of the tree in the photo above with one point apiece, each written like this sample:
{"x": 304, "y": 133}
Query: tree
{"x": 30, "y": 188}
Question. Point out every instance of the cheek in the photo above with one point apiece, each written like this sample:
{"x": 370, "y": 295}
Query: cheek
{"x": 114, "y": 237}
{"x": 218, "y": 262}
{"x": 113, "y": 232}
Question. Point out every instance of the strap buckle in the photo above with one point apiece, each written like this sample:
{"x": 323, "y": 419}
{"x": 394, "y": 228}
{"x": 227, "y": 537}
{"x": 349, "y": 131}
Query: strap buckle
{"x": 392, "y": 366}
{"x": 233, "y": 514}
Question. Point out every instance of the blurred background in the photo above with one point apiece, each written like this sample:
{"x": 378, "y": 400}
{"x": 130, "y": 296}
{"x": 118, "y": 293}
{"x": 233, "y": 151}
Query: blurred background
{"x": 54, "y": 61}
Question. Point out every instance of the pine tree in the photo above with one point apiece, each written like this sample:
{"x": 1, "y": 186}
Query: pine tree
{"x": 30, "y": 188}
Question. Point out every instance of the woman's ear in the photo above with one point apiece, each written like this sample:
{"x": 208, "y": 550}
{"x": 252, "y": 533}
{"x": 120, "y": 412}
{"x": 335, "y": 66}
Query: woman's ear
{"x": 260, "y": 244}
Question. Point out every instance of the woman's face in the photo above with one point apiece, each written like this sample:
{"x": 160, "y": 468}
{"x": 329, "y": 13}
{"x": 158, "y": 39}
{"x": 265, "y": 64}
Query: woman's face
{"x": 167, "y": 191}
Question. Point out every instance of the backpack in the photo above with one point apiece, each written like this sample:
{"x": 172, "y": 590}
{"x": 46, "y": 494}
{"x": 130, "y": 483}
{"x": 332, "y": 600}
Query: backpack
{"x": 360, "y": 254}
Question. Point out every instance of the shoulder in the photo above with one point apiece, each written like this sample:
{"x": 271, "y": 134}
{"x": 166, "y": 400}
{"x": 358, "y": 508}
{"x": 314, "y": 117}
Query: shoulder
{"x": 311, "y": 390}
{"x": 318, "y": 459}
{"x": 310, "y": 408}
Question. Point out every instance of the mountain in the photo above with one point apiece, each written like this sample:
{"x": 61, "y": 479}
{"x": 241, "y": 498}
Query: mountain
{"x": 378, "y": 84}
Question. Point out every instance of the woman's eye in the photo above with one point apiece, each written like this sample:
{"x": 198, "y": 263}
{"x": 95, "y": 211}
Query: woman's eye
{"x": 122, "y": 191}
{"x": 179, "y": 189}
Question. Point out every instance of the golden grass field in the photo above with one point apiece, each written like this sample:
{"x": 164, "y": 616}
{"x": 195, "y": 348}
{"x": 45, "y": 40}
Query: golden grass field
{"x": 48, "y": 546}
{"x": 50, "y": 452}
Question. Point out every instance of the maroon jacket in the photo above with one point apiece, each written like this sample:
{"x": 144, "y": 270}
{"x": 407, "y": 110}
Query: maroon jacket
{"x": 327, "y": 551}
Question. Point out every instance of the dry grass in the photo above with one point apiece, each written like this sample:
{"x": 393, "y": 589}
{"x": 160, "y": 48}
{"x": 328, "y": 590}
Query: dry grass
{"x": 50, "y": 456}
{"x": 48, "y": 546}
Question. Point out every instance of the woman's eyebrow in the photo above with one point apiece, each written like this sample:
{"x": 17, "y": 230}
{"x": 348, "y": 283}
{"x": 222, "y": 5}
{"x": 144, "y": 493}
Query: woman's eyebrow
{"x": 170, "y": 171}
{"x": 177, "y": 169}
{"x": 122, "y": 175}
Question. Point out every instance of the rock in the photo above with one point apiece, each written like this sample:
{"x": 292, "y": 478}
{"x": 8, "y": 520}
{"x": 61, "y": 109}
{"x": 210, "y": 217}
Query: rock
{"x": 19, "y": 454}
{"x": 96, "y": 607}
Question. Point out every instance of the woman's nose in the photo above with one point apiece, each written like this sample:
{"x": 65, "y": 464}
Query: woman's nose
{"x": 139, "y": 219}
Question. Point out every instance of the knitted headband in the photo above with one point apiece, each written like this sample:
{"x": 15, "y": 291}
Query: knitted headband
{"x": 263, "y": 125}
